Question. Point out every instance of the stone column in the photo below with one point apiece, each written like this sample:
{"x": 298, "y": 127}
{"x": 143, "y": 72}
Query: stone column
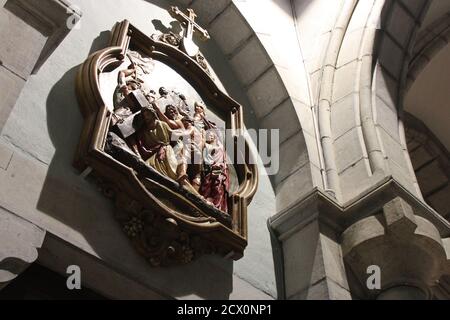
{"x": 406, "y": 248}
{"x": 19, "y": 241}
{"x": 309, "y": 259}
{"x": 324, "y": 250}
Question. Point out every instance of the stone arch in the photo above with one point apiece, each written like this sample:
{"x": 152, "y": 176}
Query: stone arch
{"x": 371, "y": 82}
{"x": 351, "y": 124}
{"x": 278, "y": 98}
{"x": 373, "y": 43}
{"x": 354, "y": 113}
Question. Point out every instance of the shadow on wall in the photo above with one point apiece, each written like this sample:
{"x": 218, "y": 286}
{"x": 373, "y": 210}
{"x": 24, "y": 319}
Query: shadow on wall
{"x": 78, "y": 205}
{"x": 175, "y": 27}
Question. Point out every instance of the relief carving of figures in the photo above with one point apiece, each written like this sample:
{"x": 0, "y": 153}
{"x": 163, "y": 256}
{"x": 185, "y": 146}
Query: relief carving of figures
{"x": 158, "y": 152}
{"x": 161, "y": 130}
{"x": 131, "y": 80}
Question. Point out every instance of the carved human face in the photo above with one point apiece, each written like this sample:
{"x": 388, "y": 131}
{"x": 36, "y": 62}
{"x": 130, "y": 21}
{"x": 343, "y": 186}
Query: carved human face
{"x": 163, "y": 91}
{"x": 199, "y": 109}
{"x": 187, "y": 123}
{"x": 171, "y": 112}
{"x": 149, "y": 117}
{"x": 210, "y": 137}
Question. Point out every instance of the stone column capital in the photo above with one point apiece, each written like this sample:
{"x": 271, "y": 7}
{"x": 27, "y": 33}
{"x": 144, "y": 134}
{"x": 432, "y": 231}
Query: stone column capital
{"x": 407, "y": 249}
{"x": 386, "y": 227}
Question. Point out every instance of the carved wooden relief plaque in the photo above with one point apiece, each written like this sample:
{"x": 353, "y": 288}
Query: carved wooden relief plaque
{"x": 153, "y": 139}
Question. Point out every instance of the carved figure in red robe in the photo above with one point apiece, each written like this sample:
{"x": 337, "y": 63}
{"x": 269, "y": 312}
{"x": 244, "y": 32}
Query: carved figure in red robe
{"x": 216, "y": 181}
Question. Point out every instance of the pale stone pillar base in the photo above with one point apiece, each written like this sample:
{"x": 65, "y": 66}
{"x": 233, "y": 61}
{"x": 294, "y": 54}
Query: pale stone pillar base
{"x": 19, "y": 241}
{"x": 403, "y": 293}
{"x": 309, "y": 261}
{"x": 323, "y": 250}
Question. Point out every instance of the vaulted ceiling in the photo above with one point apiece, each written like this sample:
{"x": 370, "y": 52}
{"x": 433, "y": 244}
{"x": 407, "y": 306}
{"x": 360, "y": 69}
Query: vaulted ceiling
{"x": 428, "y": 99}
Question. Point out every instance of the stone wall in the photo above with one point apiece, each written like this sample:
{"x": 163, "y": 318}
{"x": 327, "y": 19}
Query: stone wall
{"x": 331, "y": 75}
{"x": 39, "y": 184}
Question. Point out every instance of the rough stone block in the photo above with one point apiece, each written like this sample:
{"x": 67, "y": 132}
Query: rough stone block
{"x": 431, "y": 177}
{"x": 323, "y": 290}
{"x": 5, "y": 156}
{"x": 305, "y": 116}
{"x": 344, "y": 115}
{"x": 21, "y": 185}
{"x": 230, "y": 29}
{"x": 293, "y": 156}
{"x": 391, "y": 56}
{"x": 419, "y": 157}
{"x": 252, "y": 53}
{"x": 386, "y": 88}
{"x": 294, "y": 187}
{"x": 317, "y": 178}
{"x": 333, "y": 261}
{"x": 402, "y": 175}
{"x": 387, "y": 119}
{"x": 267, "y": 93}
{"x": 354, "y": 179}
{"x": 309, "y": 27}
{"x": 414, "y": 6}
{"x": 313, "y": 152}
{"x": 312, "y": 258}
{"x": 399, "y": 217}
{"x": 314, "y": 56}
{"x": 21, "y": 44}
{"x": 348, "y": 149}
{"x": 300, "y": 252}
{"x": 344, "y": 80}
{"x": 11, "y": 85}
{"x": 392, "y": 148}
{"x": 401, "y": 25}
{"x": 284, "y": 118}
{"x": 440, "y": 201}
{"x": 208, "y": 10}
{"x": 350, "y": 47}
{"x": 315, "y": 79}
{"x": 360, "y": 15}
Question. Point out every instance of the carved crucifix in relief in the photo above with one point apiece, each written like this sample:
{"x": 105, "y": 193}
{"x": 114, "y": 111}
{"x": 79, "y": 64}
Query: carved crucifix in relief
{"x": 188, "y": 21}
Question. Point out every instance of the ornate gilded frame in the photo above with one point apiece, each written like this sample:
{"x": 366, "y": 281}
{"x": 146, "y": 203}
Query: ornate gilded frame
{"x": 160, "y": 228}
